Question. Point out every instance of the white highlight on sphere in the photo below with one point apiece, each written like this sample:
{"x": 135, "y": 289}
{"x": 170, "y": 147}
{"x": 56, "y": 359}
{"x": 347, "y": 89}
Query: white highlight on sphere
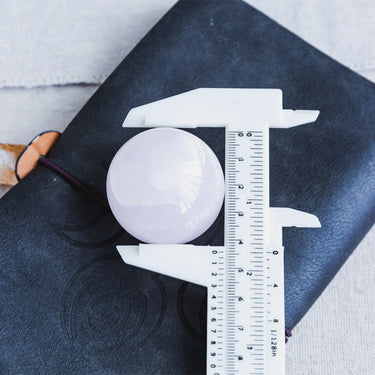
{"x": 165, "y": 185}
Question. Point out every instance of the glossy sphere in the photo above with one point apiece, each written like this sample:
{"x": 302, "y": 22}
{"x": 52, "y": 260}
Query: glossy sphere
{"x": 165, "y": 185}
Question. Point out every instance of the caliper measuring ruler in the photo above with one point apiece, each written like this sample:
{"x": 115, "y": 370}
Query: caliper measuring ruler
{"x": 245, "y": 277}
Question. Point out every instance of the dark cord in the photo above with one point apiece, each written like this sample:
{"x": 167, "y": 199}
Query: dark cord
{"x": 55, "y": 168}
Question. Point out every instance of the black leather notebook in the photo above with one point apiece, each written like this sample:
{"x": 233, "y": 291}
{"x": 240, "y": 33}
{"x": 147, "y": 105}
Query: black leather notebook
{"x": 69, "y": 305}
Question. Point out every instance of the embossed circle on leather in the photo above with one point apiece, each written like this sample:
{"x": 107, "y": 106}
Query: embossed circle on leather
{"x": 93, "y": 233}
{"x": 110, "y": 309}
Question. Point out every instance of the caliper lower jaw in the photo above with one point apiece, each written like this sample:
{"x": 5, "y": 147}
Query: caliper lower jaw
{"x": 191, "y": 263}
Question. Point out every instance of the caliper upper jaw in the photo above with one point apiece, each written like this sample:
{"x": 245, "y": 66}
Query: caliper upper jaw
{"x": 212, "y": 107}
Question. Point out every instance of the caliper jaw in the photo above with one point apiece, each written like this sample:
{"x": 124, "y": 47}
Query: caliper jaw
{"x": 186, "y": 262}
{"x": 210, "y": 107}
{"x": 281, "y": 217}
{"x": 190, "y": 263}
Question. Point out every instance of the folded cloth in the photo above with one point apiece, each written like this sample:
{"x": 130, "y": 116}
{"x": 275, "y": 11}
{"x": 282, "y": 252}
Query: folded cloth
{"x": 44, "y": 43}
{"x": 68, "y": 302}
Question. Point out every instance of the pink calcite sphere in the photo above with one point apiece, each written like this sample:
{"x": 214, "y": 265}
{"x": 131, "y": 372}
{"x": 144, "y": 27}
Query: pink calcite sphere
{"x": 165, "y": 185}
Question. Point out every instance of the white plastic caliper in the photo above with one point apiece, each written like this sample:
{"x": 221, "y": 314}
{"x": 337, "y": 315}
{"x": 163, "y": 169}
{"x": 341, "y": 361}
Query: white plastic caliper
{"x": 245, "y": 278}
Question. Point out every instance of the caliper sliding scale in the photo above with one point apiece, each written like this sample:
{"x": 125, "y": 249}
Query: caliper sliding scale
{"x": 245, "y": 278}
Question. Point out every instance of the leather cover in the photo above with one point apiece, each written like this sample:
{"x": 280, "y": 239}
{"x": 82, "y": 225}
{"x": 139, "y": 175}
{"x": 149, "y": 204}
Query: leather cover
{"x": 69, "y": 305}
